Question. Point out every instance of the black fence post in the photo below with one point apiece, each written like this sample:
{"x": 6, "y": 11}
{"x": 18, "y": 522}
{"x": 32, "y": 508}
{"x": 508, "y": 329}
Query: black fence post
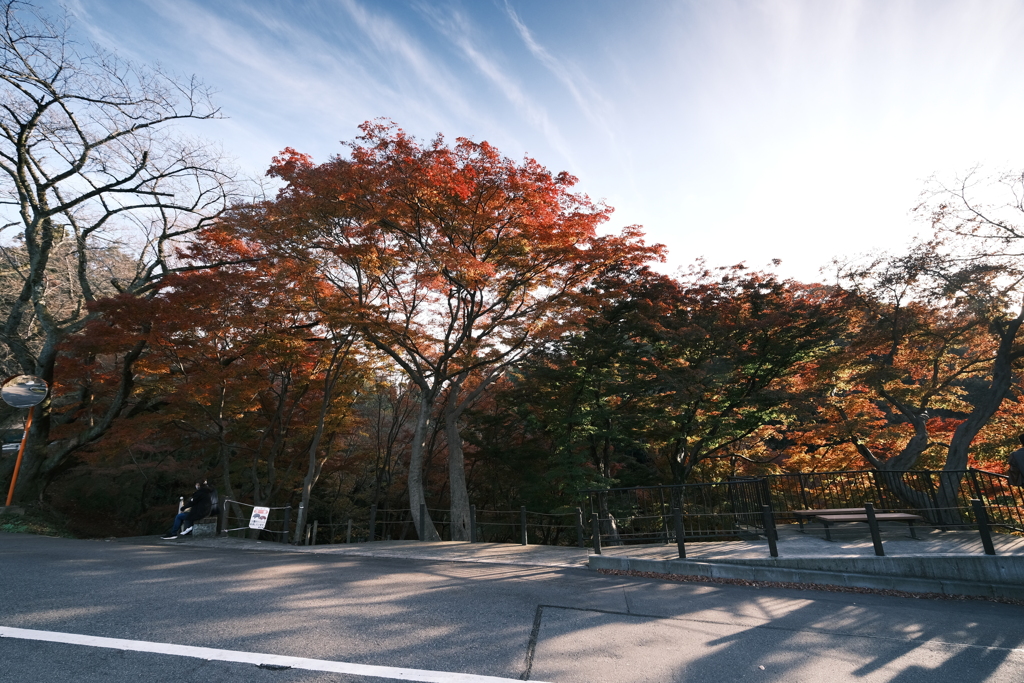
{"x": 769, "y": 529}
{"x": 287, "y": 524}
{"x": 981, "y": 515}
{"x": 765, "y": 492}
{"x": 472, "y": 523}
{"x": 222, "y": 518}
{"x": 373, "y": 521}
{"x": 661, "y": 510}
{"x": 579, "y": 529}
{"x": 316, "y": 523}
{"x": 348, "y": 531}
{"x": 423, "y": 520}
{"x": 876, "y": 536}
{"x": 878, "y": 487}
{"x": 677, "y": 516}
{"x": 803, "y": 494}
{"x": 973, "y": 478}
{"x": 522, "y": 524}
{"x": 595, "y": 532}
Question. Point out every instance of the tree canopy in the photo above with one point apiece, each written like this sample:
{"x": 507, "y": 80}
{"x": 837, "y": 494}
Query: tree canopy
{"x": 422, "y": 323}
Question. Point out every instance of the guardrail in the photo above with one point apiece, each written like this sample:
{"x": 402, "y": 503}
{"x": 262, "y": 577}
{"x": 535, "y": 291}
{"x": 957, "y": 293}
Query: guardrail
{"x": 486, "y": 526}
{"x": 279, "y": 516}
{"x": 739, "y": 508}
{"x": 943, "y": 497}
{"x": 715, "y": 511}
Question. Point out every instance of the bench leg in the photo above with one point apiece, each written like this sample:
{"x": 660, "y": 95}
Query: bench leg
{"x": 800, "y": 521}
{"x": 913, "y": 533}
{"x": 828, "y": 534}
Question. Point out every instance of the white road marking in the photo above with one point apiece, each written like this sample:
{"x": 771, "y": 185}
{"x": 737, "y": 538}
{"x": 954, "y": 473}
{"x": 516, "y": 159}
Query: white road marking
{"x": 255, "y": 658}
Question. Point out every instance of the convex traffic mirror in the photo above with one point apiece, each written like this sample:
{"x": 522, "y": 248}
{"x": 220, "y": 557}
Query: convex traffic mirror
{"x": 24, "y": 391}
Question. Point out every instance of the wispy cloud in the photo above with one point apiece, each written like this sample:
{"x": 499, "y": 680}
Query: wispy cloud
{"x": 303, "y": 80}
{"x": 590, "y": 103}
{"x": 458, "y": 31}
{"x": 389, "y": 38}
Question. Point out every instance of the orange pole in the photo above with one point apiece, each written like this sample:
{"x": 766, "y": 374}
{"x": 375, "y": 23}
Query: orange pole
{"x": 21, "y": 452}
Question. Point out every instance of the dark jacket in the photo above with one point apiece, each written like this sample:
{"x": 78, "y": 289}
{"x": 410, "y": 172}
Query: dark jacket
{"x": 1017, "y": 467}
{"x": 200, "y": 505}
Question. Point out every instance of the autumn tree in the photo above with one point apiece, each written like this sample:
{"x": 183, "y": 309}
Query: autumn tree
{"x": 388, "y": 410}
{"x": 695, "y": 369}
{"x": 456, "y": 262}
{"x": 89, "y": 163}
{"x": 980, "y": 213}
{"x": 586, "y": 405}
{"x": 933, "y": 358}
{"x": 666, "y": 380}
{"x": 728, "y": 341}
{"x": 242, "y": 372}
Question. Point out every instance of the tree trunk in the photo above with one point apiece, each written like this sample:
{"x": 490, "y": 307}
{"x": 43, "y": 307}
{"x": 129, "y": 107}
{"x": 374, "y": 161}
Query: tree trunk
{"x": 312, "y": 474}
{"x": 229, "y": 491}
{"x": 965, "y": 433}
{"x": 944, "y": 506}
{"x": 416, "y": 496}
{"x": 456, "y": 470}
{"x": 331, "y": 375}
{"x": 1002, "y": 377}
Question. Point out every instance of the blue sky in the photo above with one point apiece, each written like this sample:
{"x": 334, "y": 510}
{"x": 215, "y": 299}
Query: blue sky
{"x": 736, "y": 131}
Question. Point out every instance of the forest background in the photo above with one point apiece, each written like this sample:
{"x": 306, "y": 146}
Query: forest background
{"x": 425, "y": 322}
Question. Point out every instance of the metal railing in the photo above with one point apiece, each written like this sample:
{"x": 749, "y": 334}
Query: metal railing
{"x": 943, "y": 497}
{"x": 719, "y": 511}
{"x": 277, "y": 527}
{"x": 739, "y": 508}
{"x": 487, "y": 526}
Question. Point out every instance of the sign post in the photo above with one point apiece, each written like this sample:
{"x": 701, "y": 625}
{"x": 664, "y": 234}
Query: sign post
{"x": 22, "y": 391}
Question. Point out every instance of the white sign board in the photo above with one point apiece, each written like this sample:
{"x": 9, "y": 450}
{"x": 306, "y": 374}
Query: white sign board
{"x": 259, "y": 518}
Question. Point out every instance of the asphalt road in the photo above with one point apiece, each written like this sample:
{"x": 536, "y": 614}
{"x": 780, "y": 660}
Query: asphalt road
{"x": 559, "y": 625}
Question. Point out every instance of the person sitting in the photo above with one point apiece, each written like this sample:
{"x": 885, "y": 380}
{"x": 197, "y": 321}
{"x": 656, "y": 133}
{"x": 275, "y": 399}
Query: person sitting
{"x": 1017, "y": 464}
{"x": 199, "y": 505}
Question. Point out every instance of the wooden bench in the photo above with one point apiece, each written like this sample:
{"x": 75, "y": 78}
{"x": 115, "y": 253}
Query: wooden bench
{"x": 828, "y": 519}
{"x": 802, "y": 515}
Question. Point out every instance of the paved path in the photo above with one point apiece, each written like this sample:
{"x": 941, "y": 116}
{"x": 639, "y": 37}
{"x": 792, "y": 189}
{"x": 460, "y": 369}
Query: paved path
{"x": 556, "y": 624}
{"x": 854, "y": 542}
{"x": 483, "y": 553}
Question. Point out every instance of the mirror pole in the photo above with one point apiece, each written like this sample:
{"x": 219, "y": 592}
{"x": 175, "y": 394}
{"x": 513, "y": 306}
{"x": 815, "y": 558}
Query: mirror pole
{"x": 21, "y": 452}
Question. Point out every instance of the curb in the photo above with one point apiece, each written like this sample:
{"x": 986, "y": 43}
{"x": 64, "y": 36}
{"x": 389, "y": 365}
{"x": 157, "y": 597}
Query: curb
{"x": 726, "y": 570}
{"x": 986, "y": 569}
{"x": 340, "y": 551}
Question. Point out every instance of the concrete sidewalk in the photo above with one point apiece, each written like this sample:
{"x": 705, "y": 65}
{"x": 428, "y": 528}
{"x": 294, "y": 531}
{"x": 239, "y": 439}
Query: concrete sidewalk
{"x": 850, "y": 541}
{"x": 446, "y": 551}
{"x": 946, "y": 562}
{"x": 949, "y": 562}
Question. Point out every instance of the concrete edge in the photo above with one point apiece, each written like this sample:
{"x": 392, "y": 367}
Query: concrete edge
{"x": 384, "y": 555}
{"x": 789, "y": 575}
{"x": 999, "y": 569}
{"x": 327, "y": 551}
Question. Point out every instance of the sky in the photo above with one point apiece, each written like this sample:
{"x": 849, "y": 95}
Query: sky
{"x": 732, "y": 131}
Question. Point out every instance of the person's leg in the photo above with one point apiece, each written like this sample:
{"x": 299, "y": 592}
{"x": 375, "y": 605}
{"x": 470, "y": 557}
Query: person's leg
{"x": 178, "y": 519}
